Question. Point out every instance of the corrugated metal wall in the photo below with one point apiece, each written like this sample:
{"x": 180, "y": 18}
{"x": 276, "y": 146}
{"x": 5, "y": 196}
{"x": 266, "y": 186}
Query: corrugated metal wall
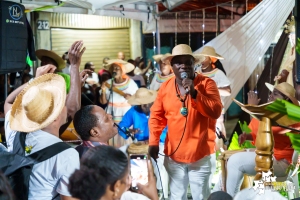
{"x": 102, "y": 36}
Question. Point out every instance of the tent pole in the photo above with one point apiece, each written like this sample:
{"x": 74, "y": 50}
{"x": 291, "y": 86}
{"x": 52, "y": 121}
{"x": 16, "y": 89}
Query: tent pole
{"x": 157, "y": 32}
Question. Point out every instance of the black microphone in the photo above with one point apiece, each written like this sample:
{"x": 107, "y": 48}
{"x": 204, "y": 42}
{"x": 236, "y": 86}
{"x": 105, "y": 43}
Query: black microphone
{"x": 184, "y": 75}
{"x": 113, "y": 75}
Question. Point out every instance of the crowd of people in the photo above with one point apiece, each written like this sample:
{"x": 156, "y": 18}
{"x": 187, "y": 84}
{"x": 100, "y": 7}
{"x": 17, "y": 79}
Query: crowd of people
{"x": 175, "y": 112}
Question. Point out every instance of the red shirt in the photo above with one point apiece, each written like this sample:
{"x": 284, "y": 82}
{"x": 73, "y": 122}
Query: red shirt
{"x": 166, "y": 111}
{"x": 282, "y": 144}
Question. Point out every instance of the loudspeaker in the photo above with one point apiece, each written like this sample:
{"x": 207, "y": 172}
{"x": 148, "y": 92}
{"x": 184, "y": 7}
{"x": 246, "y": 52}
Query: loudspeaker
{"x": 14, "y": 37}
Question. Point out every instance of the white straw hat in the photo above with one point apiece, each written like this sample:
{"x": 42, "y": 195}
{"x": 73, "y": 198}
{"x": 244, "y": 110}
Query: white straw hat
{"x": 285, "y": 89}
{"x": 179, "y": 50}
{"x": 128, "y": 66}
{"x": 39, "y": 103}
{"x": 211, "y": 52}
{"x": 142, "y": 96}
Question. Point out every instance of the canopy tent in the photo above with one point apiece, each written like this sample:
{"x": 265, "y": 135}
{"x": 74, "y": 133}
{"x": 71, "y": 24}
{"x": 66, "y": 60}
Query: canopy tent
{"x": 142, "y": 10}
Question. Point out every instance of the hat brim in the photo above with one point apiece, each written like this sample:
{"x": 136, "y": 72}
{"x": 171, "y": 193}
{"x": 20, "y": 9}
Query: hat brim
{"x": 272, "y": 87}
{"x": 214, "y": 56}
{"x": 43, "y": 52}
{"x": 53, "y": 83}
{"x": 169, "y": 58}
{"x": 133, "y": 100}
{"x": 128, "y": 66}
{"x": 157, "y": 58}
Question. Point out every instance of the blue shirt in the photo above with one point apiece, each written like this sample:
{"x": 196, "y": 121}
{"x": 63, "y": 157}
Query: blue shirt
{"x": 139, "y": 120}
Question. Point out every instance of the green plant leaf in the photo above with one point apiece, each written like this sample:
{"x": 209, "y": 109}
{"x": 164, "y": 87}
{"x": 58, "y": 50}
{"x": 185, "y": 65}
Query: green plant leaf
{"x": 295, "y": 140}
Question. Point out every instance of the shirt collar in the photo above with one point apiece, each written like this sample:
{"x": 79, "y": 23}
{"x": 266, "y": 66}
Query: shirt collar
{"x": 92, "y": 144}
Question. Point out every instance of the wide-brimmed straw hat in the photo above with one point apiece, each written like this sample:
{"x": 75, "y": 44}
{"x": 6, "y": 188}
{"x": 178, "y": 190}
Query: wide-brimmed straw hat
{"x": 179, "y": 50}
{"x": 38, "y": 104}
{"x": 51, "y": 54}
{"x": 128, "y": 66}
{"x": 285, "y": 89}
{"x": 211, "y": 52}
{"x": 159, "y": 57}
{"x": 142, "y": 96}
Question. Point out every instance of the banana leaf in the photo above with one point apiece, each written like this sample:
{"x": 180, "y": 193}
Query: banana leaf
{"x": 244, "y": 127}
{"x": 234, "y": 145}
{"x": 285, "y": 107}
{"x": 295, "y": 140}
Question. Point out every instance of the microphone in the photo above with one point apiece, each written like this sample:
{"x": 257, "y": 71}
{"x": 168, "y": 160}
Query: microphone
{"x": 184, "y": 75}
{"x": 113, "y": 75}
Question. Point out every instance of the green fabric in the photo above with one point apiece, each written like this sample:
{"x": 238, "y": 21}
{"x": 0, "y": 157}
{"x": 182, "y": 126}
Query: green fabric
{"x": 28, "y": 61}
{"x": 298, "y": 45}
{"x": 48, "y": 7}
{"x": 285, "y": 107}
{"x": 234, "y": 145}
{"x": 67, "y": 80}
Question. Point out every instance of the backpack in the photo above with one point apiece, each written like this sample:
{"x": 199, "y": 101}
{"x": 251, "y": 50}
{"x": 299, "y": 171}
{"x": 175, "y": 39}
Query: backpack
{"x": 17, "y": 167}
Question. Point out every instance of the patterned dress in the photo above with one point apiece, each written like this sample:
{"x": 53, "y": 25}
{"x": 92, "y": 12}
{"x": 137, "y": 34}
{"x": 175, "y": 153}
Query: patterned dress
{"x": 158, "y": 79}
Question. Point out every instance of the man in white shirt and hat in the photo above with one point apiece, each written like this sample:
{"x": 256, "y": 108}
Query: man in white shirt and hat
{"x": 38, "y": 109}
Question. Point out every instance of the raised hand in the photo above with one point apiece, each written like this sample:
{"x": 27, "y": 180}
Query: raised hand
{"x": 44, "y": 70}
{"x": 75, "y": 53}
{"x": 252, "y": 98}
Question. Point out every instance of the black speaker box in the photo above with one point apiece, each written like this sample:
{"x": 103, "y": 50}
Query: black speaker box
{"x": 14, "y": 37}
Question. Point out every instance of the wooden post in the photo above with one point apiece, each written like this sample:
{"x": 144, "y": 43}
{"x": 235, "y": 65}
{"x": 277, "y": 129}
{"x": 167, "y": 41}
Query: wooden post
{"x": 264, "y": 148}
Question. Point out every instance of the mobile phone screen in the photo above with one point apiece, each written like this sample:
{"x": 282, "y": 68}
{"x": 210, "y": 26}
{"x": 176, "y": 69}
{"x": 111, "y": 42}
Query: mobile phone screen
{"x": 138, "y": 170}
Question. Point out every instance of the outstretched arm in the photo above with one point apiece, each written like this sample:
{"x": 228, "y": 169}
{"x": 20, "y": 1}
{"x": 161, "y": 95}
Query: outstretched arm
{"x": 73, "y": 101}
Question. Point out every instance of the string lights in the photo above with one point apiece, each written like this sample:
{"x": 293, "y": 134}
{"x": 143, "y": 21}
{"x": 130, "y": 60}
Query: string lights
{"x": 190, "y": 28}
{"x": 175, "y": 29}
{"x": 217, "y": 19}
{"x": 231, "y": 12}
{"x": 203, "y": 27}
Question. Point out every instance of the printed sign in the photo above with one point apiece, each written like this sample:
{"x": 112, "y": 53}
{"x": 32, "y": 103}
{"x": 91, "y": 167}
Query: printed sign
{"x": 43, "y": 25}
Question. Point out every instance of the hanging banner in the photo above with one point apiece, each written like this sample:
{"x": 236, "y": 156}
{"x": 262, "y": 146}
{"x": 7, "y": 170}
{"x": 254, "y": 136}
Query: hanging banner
{"x": 167, "y": 23}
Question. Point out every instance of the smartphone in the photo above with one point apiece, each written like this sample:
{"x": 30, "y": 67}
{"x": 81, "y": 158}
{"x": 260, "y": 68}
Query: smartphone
{"x": 138, "y": 170}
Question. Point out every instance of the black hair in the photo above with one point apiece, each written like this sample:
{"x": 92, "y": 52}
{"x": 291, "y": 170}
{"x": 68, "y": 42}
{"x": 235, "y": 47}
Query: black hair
{"x": 219, "y": 195}
{"x": 84, "y": 121}
{"x": 6, "y": 192}
{"x": 219, "y": 65}
{"x": 100, "y": 167}
{"x": 2, "y": 106}
{"x": 88, "y": 65}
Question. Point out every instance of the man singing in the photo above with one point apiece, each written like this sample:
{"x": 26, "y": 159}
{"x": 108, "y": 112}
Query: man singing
{"x": 185, "y": 103}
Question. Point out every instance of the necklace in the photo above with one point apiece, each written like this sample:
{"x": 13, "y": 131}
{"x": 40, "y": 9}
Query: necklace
{"x": 183, "y": 109}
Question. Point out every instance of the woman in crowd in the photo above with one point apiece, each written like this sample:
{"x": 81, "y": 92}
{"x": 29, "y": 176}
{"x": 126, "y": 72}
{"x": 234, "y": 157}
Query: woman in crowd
{"x": 211, "y": 67}
{"x": 165, "y": 73}
{"x": 123, "y": 88}
{"x": 104, "y": 175}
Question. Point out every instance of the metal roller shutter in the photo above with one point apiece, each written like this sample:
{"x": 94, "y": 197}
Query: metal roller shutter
{"x": 98, "y": 43}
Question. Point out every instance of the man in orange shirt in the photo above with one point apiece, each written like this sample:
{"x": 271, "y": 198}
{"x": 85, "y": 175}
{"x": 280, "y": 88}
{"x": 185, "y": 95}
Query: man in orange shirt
{"x": 186, "y": 103}
{"x": 244, "y": 162}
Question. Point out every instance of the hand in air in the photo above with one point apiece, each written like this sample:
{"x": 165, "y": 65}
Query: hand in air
{"x": 252, "y": 98}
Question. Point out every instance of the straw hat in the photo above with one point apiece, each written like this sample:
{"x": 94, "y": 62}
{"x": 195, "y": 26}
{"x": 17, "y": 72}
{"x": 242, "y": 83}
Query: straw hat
{"x": 211, "y": 52}
{"x": 285, "y": 89}
{"x": 128, "y": 66}
{"x": 179, "y": 50}
{"x": 38, "y": 104}
{"x": 51, "y": 54}
{"x": 159, "y": 57}
{"x": 142, "y": 96}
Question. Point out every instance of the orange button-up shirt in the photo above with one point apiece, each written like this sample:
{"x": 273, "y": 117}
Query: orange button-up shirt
{"x": 166, "y": 111}
{"x": 282, "y": 145}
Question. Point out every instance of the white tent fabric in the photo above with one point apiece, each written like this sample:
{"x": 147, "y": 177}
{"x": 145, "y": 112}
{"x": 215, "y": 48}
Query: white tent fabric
{"x": 142, "y": 10}
{"x": 245, "y": 42}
